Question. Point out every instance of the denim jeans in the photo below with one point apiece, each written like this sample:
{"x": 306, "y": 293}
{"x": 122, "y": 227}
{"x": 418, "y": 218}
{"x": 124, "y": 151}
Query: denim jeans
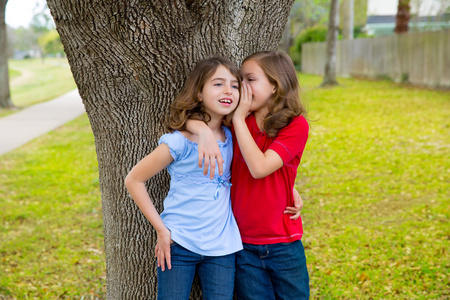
{"x": 276, "y": 271}
{"x": 216, "y": 274}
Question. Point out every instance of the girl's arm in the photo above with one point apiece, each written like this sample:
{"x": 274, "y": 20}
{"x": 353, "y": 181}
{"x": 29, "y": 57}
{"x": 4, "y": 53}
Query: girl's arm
{"x": 260, "y": 164}
{"x": 148, "y": 167}
{"x": 208, "y": 149}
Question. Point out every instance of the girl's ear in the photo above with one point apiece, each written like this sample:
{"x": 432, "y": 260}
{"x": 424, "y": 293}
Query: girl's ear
{"x": 199, "y": 96}
{"x": 274, "y": 89}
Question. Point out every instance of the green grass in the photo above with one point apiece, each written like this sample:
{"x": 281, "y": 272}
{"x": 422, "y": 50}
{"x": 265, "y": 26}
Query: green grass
{"x": 51, "y": 242}
{"x": 34, "y": 80}
{"x": 13, "y": 74}
{"x": 375, "y": 180}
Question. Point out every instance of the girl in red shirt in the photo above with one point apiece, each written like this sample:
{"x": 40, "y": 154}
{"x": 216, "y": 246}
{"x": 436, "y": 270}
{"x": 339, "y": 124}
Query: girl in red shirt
{"x": 268, "y": 146}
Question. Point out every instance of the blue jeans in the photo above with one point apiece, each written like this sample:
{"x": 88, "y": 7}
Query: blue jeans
{"x": 216, "y": 274}
{"x": 276, "y": 271}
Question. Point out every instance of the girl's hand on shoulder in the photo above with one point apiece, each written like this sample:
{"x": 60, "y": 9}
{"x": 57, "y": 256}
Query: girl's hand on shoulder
{"x": 298, "y": 205}
{"x": 162, "y": 250}
{"x": 245, "y": 102}
{"x": 209, "y": 153}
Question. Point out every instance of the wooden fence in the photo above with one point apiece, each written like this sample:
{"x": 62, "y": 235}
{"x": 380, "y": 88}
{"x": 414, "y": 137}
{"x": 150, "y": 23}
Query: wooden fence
{"x": 421, "y": 58}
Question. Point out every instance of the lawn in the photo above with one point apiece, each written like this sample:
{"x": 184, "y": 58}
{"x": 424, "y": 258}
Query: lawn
{"x": 35, "y": 80}
{"x": 51, "y": 242}
{"x": 374, "y": 178}
{"x": 13, "y": 74}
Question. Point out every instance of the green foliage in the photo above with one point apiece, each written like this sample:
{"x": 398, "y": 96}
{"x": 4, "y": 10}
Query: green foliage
{"x": 26, "y": 39}
{"x": 309, "y": 20}
{"x": 50, "y": 43}
{"x": 309, "y": 13}
{"x": 359, "y": 12}
{"x": 313, "y": 34}
{"x": 359, "y": 32}
{"x": 41, "y": 21}
{"x": 316, "y": 34}
{"x": 374, "y": 178}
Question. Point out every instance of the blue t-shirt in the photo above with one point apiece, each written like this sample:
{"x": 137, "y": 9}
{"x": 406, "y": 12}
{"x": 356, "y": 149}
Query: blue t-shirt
{"x": 197, "y": 210}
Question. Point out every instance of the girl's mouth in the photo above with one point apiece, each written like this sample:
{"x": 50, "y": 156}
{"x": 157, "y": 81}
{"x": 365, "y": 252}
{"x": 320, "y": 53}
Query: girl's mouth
{"x": 226, "y": 101}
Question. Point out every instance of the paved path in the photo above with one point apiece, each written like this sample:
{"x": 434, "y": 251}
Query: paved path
{"x": 19, "y": 128}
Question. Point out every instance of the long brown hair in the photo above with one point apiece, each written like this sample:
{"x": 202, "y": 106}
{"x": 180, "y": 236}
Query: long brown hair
{"x": 187, "y": 105}
{"x": 285, "y": 102}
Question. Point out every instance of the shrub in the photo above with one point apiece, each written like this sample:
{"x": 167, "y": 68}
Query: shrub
{"x": 313, "y": 34}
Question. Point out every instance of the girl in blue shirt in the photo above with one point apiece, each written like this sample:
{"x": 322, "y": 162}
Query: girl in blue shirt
{"x": 197, "y": 230}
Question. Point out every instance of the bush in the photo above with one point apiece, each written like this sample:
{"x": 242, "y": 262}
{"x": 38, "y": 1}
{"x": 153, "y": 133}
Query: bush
{"x": 360, "y": 32}
{"x": 313, "y": 34}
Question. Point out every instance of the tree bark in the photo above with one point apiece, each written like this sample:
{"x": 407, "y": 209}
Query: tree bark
{"x": 5, "y": 95}
{"x": 329, "y": 77}
{"x": 403, "y": 16}
{"x": 286, "y": 38}
{"x": 129, "y": 60}
{"x": 348, "y": 7}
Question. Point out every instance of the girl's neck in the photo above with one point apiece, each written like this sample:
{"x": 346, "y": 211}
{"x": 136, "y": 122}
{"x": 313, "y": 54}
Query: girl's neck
{"x": 259, "y": 117}
{"x": 216, "y": 127}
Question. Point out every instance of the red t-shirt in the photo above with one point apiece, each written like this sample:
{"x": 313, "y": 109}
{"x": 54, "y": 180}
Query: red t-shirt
{"x": 258, "y": 204}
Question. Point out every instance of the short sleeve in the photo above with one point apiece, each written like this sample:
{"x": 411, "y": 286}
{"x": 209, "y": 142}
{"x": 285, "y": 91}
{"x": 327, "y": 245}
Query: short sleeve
{"x": 228, "y": 135}
{"x": 291, "y": 140}
{"x": 176, "y": 142}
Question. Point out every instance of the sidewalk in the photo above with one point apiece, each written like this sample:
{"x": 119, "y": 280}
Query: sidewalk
{"x": 19, "y": 128}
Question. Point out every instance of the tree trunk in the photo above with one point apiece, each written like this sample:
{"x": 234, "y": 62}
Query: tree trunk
{"x": 286, "y": 38}
{"x": 348, "y": 13}
{"x": 129, "y": 60}
{"x": 329, "y": 77}
{"x": 403, "y": 16}
{"x": 5, "y": 96}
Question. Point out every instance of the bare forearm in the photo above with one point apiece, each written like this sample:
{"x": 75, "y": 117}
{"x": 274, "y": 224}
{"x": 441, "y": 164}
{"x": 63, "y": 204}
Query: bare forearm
{"x": 197, "y": 127}
{"x": 148, "y": 167}
{"x": 140, "y": 195}
{"x": 259, "y": 163}
{"x": 253, "y": 156}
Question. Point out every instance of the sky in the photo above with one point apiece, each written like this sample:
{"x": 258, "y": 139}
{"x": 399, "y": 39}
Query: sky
{"x": 389, "y": 7}
{"x": 20, "y": 12}
{"x": 380, "y": 7}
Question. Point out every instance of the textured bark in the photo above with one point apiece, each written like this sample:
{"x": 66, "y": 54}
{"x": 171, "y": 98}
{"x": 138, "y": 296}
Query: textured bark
{"x": 329, "y": 77}
{"x": 403, "y": 16}
{"x": 129, "y": 60}
{"x": 5, "y": 96}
